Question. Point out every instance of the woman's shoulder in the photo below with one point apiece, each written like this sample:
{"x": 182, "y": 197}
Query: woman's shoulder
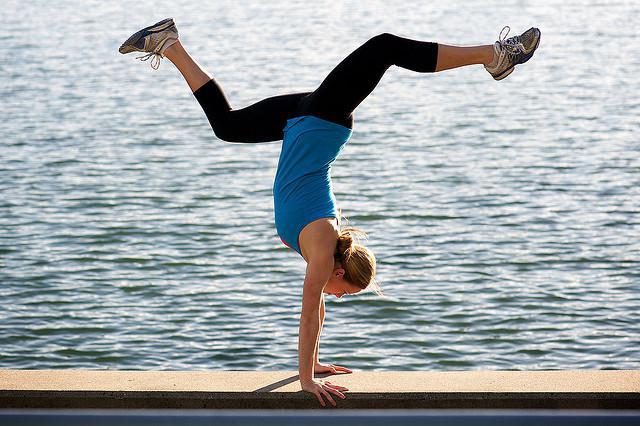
{"x": 318, "y": 238}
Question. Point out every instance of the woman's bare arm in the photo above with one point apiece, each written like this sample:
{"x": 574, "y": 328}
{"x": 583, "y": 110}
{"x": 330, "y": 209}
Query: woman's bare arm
{"x": 316, "y": 358}
{"x": 317, "y": 352}
{"x": 318, "y": 243}
{"x": 318, "y": 273}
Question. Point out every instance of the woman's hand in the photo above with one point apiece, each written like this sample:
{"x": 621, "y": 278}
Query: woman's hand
{"x": 319, "y": 368}
{"x": 322, "y": 388}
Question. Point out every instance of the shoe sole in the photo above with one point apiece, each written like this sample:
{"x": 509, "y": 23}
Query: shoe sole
{"x": 525, "y": 58}
{"x": 157, "y": 27}
{"x": 504, "y": 73}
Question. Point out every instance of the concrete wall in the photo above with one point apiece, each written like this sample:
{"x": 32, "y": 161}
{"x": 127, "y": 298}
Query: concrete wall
{"x": 598, "y": 389}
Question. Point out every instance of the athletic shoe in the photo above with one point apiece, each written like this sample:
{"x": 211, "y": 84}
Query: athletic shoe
{"x": 154, "y": 39}
{"x": 509, "y": 52}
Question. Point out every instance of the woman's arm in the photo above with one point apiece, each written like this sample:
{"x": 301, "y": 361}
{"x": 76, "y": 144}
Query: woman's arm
{"x": 317, "y": 353}
{"x": 325, "y": 368}
{"x": 318, "y": 273}
{"x": 318, "y": 243}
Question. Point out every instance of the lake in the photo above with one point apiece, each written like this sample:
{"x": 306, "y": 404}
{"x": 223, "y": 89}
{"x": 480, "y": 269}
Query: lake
{"x": 505, "y": 216}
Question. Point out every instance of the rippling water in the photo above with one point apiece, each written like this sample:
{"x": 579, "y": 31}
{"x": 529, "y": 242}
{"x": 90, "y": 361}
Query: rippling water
{"x": 505, "y": 215}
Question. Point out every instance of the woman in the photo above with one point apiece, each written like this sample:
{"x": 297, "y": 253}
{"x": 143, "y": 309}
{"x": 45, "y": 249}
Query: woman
{"x": 314, "y": 127}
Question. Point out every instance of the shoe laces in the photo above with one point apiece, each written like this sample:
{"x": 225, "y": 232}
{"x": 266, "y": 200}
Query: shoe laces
{"x": 512, "y": 45}
{"x": 155, "y": 59}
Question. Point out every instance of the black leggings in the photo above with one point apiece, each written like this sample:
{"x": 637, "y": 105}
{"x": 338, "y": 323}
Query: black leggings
{"x": 346, "y": 86}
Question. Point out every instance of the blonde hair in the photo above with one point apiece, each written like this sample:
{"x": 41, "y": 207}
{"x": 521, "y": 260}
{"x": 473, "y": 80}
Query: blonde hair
{"x": 358, "y": 261}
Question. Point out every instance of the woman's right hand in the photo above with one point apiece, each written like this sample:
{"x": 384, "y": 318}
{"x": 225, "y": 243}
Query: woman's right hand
{"x": 322, "y": 388}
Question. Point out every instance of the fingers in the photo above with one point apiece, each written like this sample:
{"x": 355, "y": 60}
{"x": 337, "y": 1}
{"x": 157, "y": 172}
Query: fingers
{"x": 338, "y": 387}
{"x": 328, "y": 396}
{"x": 322, "y": 390}
{"x": 317, "y": 394}
{"x": 334, "y": 389}
{"x": 341, "y": 368}
{"x": 325, "y": 388}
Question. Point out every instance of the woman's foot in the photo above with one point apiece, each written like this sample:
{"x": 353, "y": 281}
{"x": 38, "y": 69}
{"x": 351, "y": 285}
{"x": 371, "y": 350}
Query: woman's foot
{"x": 154, "y": 39}
{"x": 509, "y": 52}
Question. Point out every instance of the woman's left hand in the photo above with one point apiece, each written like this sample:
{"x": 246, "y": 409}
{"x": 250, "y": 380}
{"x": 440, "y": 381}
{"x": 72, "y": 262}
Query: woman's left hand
{"x": 319, "y": 368}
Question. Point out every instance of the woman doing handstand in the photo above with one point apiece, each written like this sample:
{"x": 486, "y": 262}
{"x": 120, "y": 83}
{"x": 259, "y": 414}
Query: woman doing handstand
{"x": 314, "y": 127}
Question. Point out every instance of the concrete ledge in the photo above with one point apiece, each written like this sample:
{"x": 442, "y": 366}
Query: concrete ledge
{"x": 598, "y": 389}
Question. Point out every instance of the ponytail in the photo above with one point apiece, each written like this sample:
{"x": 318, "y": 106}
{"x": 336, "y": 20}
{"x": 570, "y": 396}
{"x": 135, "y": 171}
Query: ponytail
{"x": 358, "y": 261}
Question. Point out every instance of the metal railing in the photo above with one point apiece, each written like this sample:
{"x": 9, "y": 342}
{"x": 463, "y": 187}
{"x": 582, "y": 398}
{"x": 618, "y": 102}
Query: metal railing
{"x": 319, "y": 417}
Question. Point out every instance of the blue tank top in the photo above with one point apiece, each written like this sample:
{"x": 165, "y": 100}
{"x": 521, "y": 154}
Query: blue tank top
{"x": 302, "y": 190}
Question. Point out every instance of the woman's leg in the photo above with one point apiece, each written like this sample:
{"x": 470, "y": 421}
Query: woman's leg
{"x": 192, "y": 72}
{"x": 260, "y": 122}
{"x": 454, "y": 56}
{"x": 349, "y": 83}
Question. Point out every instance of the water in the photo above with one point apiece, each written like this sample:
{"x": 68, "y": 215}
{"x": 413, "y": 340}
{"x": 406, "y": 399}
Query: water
{"x": 504, "y": 214}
